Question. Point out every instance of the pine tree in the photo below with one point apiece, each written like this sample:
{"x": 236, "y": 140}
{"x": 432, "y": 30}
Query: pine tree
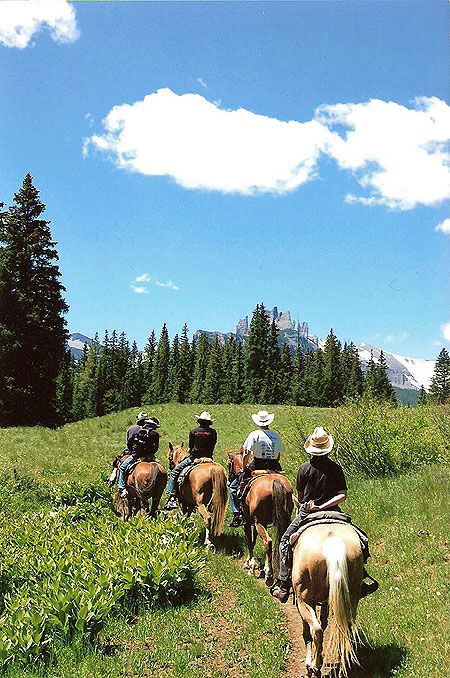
{"x": 84, "y": 392}
{"x": 285, "y": 377}
{"x": 298, "y": 374}
{"x": 256, "y": 354}
{"x": 352, "y": 374}
{"x": 64, "y": 389}
{"x": 228, "y": 351}
{"x": 201, "y": 362}
{"x": 271, "y": 392}
{"x": 212, "y": 392}
{"x": 171, "y": 390}
{"x": 33, "y": 331}
{"x": 161, "y": 367}
{"x": 377, "y": 384}
{"x": 149, "y": 361}
{"x": 423, "y": 397}
{"x": 318, "y": 379}
{"x": 440, "y": 383}
{"x": 237, "y": 375}
{"x": 185, "y": 367}
{"x": 332, "y": 372}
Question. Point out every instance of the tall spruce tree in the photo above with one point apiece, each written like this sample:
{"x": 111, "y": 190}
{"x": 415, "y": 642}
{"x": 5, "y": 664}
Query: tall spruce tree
{"x": 285, "y": 377}
{"x": 298, "y": 372}
{"x": 161, "y": 367}
{"x": 33, "y": 331}
{"x": 171, "y": 390}
{"x": 440, "y": 383}
{"x": 423, "y": 397}
{"x": 237, "y": 375}
{"x": 149, "y": 361}
{"x": 201, "y": 363}
{"x": 256, "y": 354}
{"x": 271, "y": 392}
{"x": 185, "y": 367}
{"x": 318, "y": 379}
{"x": 377, "y": 384}
{"x": 212, "y": 392}
{"x": 332, "y": 372}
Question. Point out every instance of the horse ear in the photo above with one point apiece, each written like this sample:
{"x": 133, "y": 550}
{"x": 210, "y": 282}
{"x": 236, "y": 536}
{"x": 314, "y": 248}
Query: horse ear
{"x": 171, "y": 447}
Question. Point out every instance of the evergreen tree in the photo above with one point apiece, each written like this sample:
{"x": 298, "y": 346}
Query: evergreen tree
{"x": 201, "y": 363}
{"x": 134, "y": 381}
{"x": 64, "y": 389}
{"x": 171, "y": 391}
{"x": 32, "y": 326}
{"x": 285, "y": 376}
{"x": 332, "y": 372}
{"x": 355, "y": 385}
{"x": 423, "y": 397}
{"x": 161, "y": 367}
{"x": 228, "y": 351}
{"x": 212, "y": 392}
{"x": 377, "y": 384}
{"x": 298, "y": 374}
{"x": 256, "y": 354}
{"x": 237, "y": 375}
{"x": 149, "y": 360}
{"x": 84, "y": 393}
{"x": 271, "y": 392}
{"x": 307, "y": 385}
{"x": 185, "y": 367}
{"x": 318, "y": 379}
{"x": 440, "y": 383}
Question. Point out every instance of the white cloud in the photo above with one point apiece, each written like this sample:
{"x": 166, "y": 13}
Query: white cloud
{"x": 396, "y": 338}
{"x": 400, "y": 155}
{"x": 202, "y": 83}
{"x": 205, "y": 147}
{"x": 397, "y": 154}
{"x": 446, "y": 331}
{"x": 139, "y": 290}
{"x": 145, "y": 277}
{"x": 20, "y": 20}
{"x": 168, "y": 284}
{"x": 444, "y": 226}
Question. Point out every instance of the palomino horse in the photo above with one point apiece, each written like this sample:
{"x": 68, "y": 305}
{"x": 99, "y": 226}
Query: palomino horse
{"x": 204, "y": 490}
{"x": 269, "y": 501}
{"x": 146, "y": 481}
{"x": 327, "y": 572}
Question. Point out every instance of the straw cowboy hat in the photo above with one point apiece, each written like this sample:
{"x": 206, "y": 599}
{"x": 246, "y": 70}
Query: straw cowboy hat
{"x": 319, "y": 442}
{"x": 204, "y": 416}
{"x": 263, "y": 418}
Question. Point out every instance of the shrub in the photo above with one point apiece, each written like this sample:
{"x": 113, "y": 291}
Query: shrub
{"x": 378, "y": 439}
{"x": 64, "y": 572}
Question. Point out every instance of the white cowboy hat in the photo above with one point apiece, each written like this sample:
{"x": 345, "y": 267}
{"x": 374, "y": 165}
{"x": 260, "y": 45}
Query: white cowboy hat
{"x": 263, "y": 418}
{"x": 141, "y": 415}
{"x": 319, "y": 442}
{"x": 204, "y": 416}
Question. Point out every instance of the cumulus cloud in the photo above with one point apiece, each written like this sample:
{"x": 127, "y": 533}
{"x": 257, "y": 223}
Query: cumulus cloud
{"x": 446, "y": 331}
{"x": 400, "y": 155}
{"x": 397, "y": 154}
{"x": 168, "y": 284}
{"x": 444, "y": 226}
{"x": 20, "y": 20}
{"x": 203, "y": 146}
{"x": 139, "y": 290}
{"x": 145, "y": 277}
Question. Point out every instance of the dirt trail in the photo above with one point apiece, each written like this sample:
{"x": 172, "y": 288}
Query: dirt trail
{"x": 294, "y": 665}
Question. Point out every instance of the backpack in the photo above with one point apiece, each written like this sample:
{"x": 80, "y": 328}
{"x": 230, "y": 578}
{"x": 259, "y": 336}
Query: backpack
{"x": 143, "y": 441}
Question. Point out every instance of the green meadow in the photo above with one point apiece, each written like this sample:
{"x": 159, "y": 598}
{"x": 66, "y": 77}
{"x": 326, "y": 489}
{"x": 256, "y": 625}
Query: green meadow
{"x": 212, "y": 619}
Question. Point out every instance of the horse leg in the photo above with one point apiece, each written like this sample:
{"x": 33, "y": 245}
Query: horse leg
{"x": 143, "y": 506}
{"x": 314, "y": 658}
{"x": 267, "y": 541}
{"x": 250, "y": 563}
{"x": 203, "y": 511}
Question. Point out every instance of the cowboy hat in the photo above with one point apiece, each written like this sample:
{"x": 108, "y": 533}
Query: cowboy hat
{"x": 141, "y": 415}
{"x": 263, "y": 418}
{"x": 152, "y": 421}
{"x": 204, "y": 416}
{"x": 319, "y": 442}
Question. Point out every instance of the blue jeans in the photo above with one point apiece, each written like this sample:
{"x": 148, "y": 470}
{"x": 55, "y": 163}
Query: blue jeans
{"x": 233, "y": 499}
{"x": 122, "y": 469}
{"x": 175, "y": 472}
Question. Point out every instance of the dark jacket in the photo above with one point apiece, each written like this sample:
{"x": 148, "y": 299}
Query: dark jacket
{"x": 202, "y": 441}
{"x": 144, "y": 442}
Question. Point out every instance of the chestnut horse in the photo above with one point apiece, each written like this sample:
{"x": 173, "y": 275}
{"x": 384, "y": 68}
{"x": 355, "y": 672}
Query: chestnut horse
{"x": 269, "y": 501}
{"x": 146, "y": 481}
{"x": 204, "y": 490}
{"x": 327, "y": 572}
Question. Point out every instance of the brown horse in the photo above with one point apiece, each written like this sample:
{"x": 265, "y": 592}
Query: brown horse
{"x": 204, "y": 490}
{"x": 327, "y": 572}
{"x": 269, "y": 501}
{"x": 146, "y": 481}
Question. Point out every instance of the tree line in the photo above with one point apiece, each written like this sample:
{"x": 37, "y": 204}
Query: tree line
{"x": 41, "y": 383}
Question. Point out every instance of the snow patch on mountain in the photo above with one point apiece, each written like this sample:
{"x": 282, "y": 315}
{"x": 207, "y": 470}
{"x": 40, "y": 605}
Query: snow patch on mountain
{"x": 403, "y": 372}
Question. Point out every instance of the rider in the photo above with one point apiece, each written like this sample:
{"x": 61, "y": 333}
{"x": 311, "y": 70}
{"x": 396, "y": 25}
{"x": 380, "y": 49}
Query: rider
{"x": 142, "y": 441}
{"x": 321, "y": 486}
{"x": 266, "y": 447}
{"x": 140, "y": 418}
{"x": 202, "y": 441}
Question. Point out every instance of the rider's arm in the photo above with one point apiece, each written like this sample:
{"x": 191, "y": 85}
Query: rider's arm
{"x": 334, "y": 501}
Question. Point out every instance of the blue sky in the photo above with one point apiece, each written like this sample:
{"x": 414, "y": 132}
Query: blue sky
{"x": 198, "y": 158}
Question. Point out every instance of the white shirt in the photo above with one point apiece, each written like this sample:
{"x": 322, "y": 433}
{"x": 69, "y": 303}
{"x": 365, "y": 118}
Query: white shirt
{"x": 264, "y": 444}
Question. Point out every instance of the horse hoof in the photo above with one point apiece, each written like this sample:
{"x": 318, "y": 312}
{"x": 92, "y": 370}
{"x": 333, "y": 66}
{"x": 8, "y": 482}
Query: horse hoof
{"x": 268, "y": 580}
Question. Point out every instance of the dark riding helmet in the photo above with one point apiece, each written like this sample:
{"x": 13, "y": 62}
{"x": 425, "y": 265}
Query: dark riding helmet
{"x": 152, "y": 422}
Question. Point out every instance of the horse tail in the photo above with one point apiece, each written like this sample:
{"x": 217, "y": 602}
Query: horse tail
{"x": 281, "y": 517}
{"x": 219, "y": 499}
{"x": 340, "y": 607}
{"x": 148, "y": 482}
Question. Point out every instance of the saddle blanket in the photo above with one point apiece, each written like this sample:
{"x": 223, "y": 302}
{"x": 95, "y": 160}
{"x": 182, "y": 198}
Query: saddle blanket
{"x": 186, "y": 471}
{"x": 330, "y": 517}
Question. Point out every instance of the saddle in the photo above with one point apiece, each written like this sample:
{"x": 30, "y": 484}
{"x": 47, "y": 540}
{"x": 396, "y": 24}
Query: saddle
{"x": 245, "y": 486}
{"x": 330, "y": 517}
{"x": 186, "y": 471}
{"x": 132, "y": 466}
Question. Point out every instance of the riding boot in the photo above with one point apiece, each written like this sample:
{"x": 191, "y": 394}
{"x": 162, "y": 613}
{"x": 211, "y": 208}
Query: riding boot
{"x": 171, "y": 503}
{"x": 367, "y": 589}
{"x": 280, "y": 590}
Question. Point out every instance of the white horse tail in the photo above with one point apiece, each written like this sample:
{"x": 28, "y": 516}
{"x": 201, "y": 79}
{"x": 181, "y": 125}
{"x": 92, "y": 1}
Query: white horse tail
{"x": 345, "y": 633}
